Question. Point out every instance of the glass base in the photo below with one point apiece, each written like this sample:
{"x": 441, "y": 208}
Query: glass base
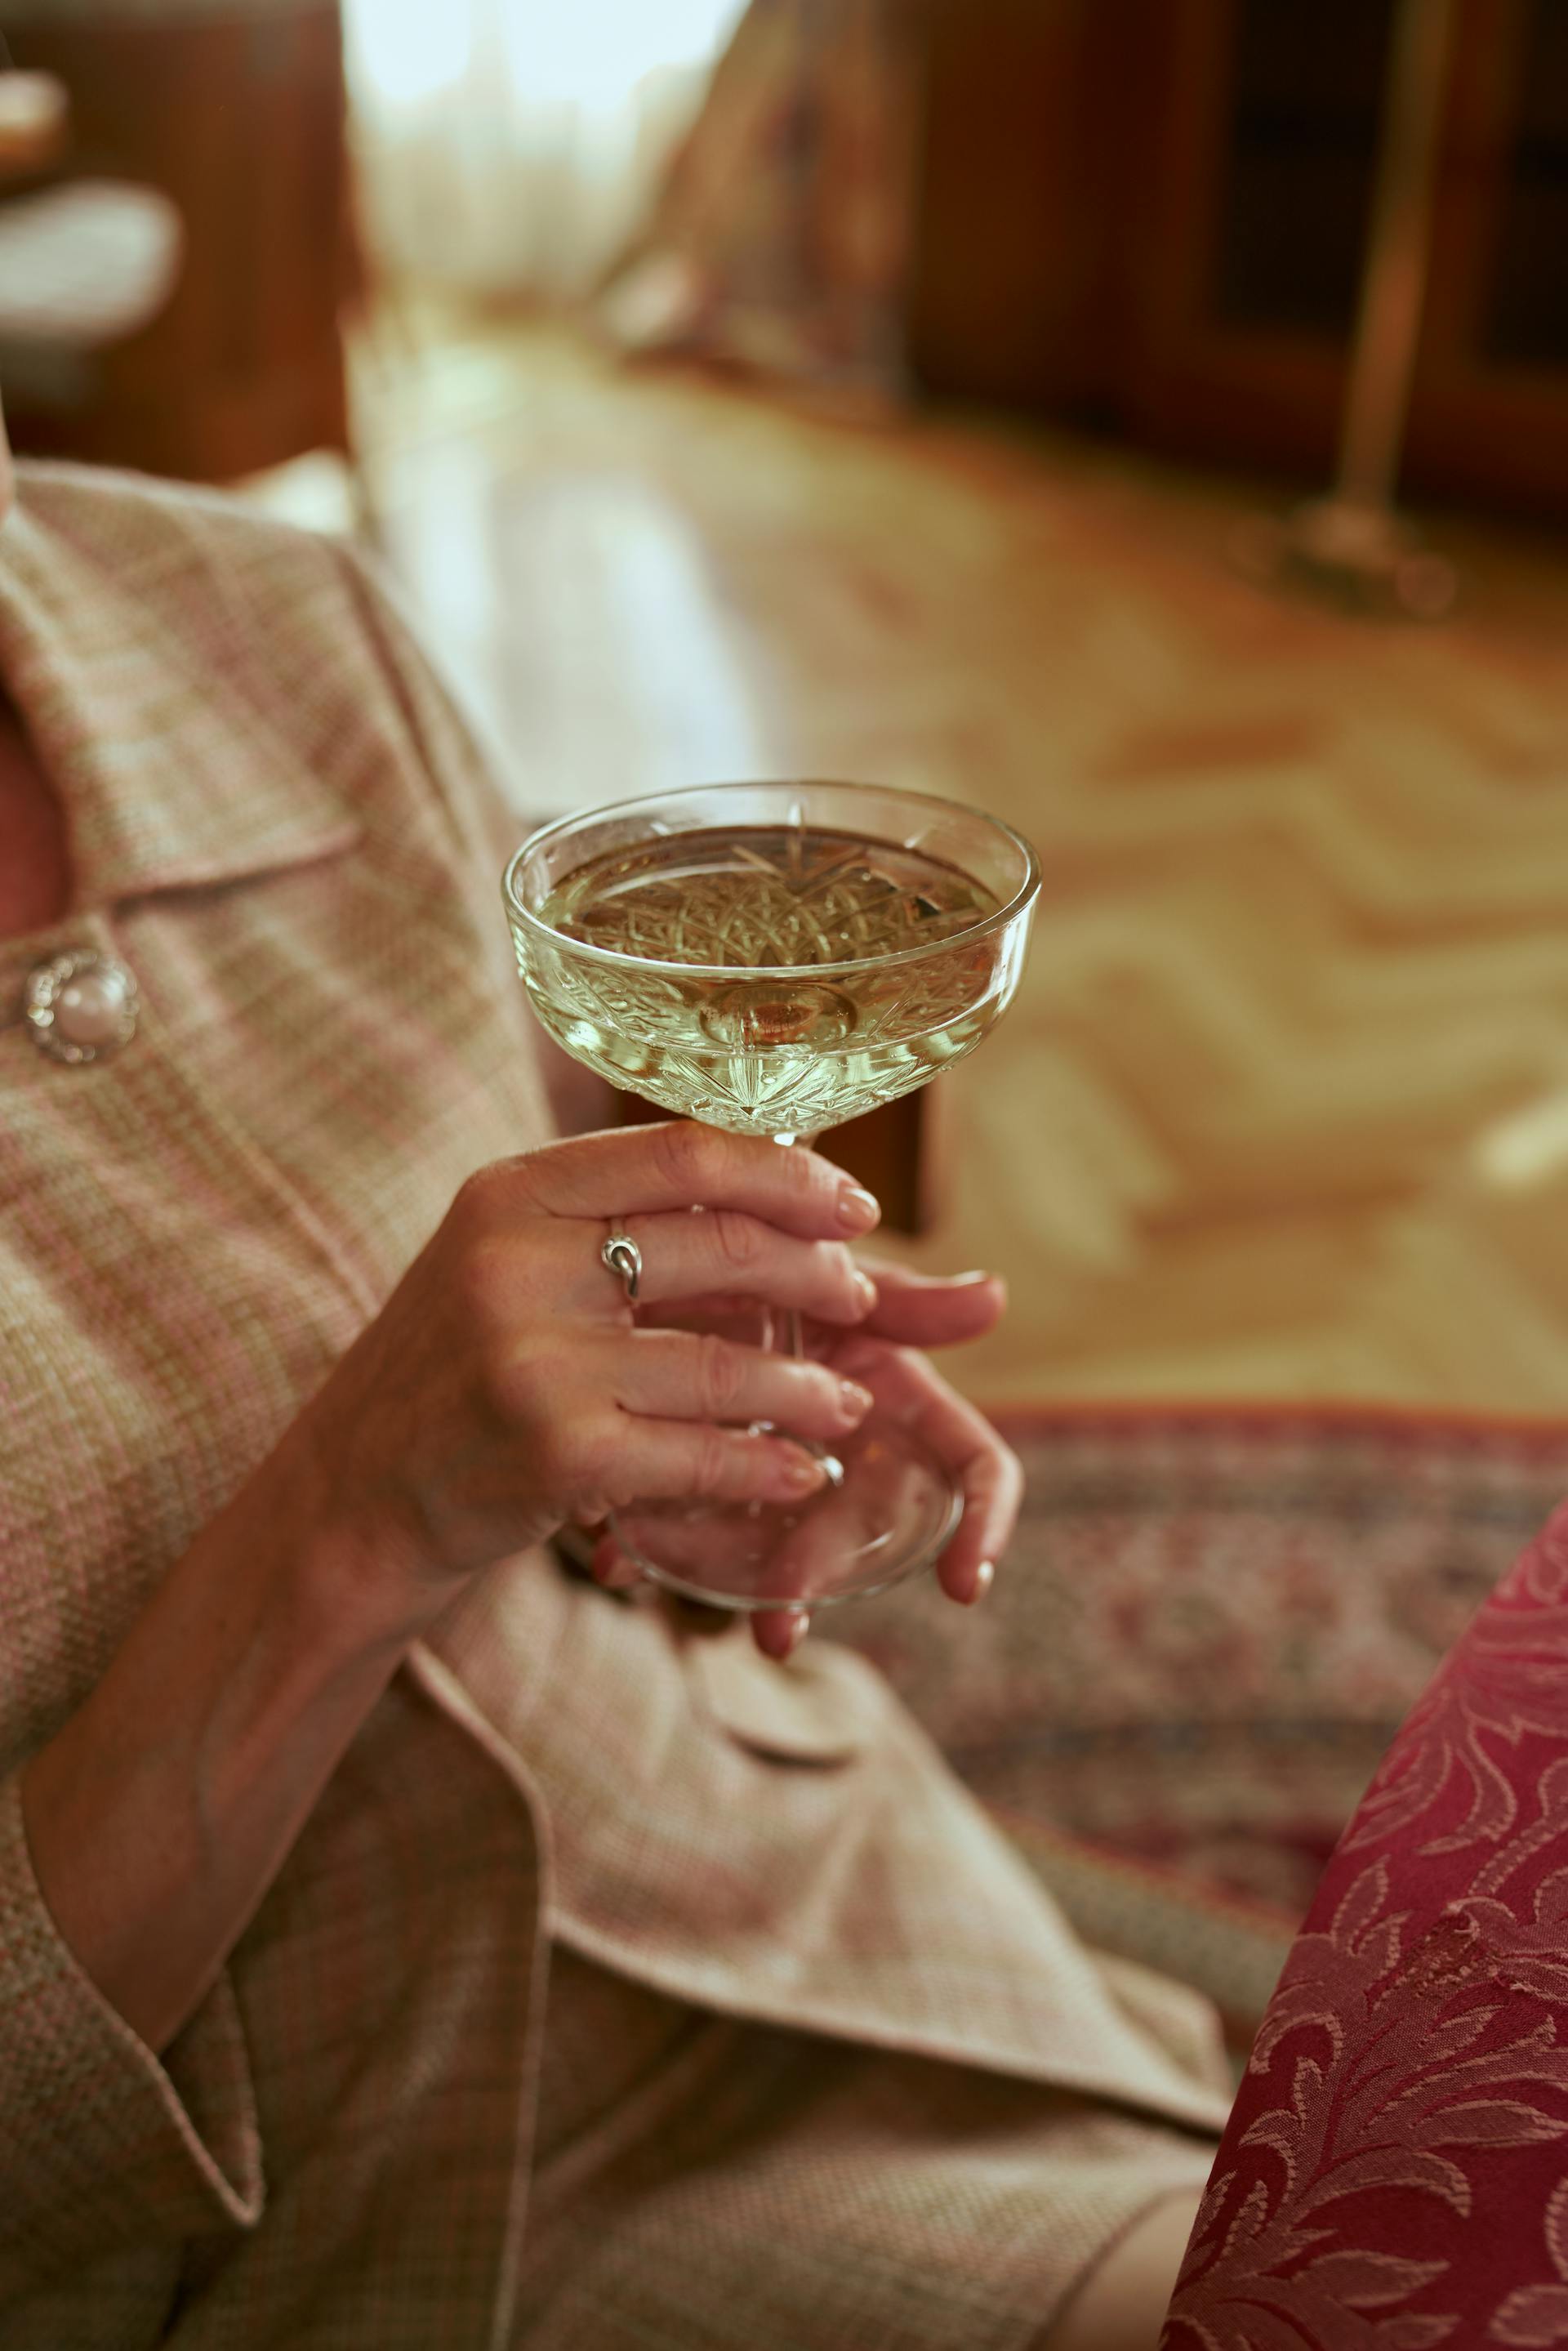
{"x": 894, "y": 1510}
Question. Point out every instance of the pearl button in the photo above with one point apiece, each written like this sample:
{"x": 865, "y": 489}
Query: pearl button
{"x": 81, "y": 1006}
{"x": 90, "y": 1011}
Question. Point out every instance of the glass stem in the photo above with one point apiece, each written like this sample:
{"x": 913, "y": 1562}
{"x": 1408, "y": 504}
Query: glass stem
{"x": 788, "y": 1338}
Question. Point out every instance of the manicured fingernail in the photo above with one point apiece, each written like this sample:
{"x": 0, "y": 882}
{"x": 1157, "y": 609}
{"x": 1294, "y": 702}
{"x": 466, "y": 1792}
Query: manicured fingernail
{"x": 967, "y": 1280}
{"x": 984, "y": 1577}
{"x": 855, "y": 1400}
{"x": 800, "y": 1473}
{"x": 865, "y": 1292}
{"x": 857, "y": 1209}
{"x": 779, "y": 1636}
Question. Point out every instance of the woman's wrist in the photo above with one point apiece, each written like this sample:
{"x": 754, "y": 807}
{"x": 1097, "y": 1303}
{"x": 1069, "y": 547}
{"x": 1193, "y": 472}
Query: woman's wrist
{"x": 161, "y": 1813}
{"x": 358, "y": 1579}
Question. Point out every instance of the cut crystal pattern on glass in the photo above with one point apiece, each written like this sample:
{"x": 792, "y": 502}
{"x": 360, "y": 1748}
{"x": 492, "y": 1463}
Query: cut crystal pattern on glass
{"x": 775, "y": 1054}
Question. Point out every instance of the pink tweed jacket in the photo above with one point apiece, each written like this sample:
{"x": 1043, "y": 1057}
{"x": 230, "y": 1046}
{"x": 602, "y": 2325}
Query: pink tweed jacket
{"x": 279, "y": 824}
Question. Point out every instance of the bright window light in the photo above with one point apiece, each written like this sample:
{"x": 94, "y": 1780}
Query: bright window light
{"x": 594, "y": 52}
{"x": 408, "y": 50}
{"x": 586, "y": 53}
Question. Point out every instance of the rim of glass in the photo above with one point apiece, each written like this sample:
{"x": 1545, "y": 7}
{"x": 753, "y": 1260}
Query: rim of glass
{"x": 614, "y": 956}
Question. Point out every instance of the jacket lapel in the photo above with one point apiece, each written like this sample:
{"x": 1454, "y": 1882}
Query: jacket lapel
{"x": 139, "y": 733}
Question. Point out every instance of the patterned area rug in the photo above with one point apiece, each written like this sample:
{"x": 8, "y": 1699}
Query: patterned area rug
{"x": 1204, "y": 1637}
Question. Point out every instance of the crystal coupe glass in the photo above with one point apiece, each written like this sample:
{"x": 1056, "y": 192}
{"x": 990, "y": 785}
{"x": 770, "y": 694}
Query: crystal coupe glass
{"x": 775, "y": 958}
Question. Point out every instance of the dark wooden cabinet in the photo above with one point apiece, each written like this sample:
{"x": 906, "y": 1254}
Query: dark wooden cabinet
{"x": 1023, "y": 226}
{"x": 1165, "y": 202}
{"x": 239, "y": 118}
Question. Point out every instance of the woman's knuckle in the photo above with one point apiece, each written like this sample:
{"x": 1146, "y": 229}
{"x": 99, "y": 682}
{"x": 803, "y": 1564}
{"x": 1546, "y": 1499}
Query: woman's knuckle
{"x": 811, "y": 1176}
{"x": 720, "y": 1371}
{"x": 621, "y": 1487}
{"x": 524, "y": 1390}
{"x": 711, "y": 1455}
{"x": 841, "y": 1275}
{"x": 481, "y": 1199}
{"x": 573, "y": 1451}
{"x": 689, "y": 1155}
{"x": 739, "y": 1241}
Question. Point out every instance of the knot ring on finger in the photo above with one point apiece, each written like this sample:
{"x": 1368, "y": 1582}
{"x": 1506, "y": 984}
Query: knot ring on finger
{"x": 621, "y": 1256}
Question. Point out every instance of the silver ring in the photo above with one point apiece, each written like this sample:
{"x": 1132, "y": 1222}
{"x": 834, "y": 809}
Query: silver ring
{"x": 621, "y": 1255}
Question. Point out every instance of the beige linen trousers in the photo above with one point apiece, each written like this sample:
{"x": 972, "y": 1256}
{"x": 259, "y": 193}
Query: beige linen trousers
{"x": 621, "y": 1990}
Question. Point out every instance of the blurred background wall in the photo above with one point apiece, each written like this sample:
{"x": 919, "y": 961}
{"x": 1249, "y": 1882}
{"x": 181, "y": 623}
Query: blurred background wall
{"x": 1151, "y": 215}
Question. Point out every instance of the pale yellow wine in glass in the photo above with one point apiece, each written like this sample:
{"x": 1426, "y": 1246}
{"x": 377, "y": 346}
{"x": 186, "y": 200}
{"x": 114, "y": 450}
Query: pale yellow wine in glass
{"x": 775, "y": 959}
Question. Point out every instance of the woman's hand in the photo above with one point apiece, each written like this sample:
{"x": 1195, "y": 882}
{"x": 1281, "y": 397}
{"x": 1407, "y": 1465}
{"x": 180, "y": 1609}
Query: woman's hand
{"x": 506, "y": 1386}
{"x": 502, "y": 1387}
{"x": 881, "y": 1352}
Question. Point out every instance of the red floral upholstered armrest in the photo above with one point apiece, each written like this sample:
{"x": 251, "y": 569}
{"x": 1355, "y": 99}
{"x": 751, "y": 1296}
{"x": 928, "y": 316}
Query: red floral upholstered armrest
{"x": 1395, "y": 2173}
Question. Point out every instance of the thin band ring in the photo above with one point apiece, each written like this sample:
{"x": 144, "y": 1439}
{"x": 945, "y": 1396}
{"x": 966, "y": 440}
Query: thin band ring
{"x": 621, "y": 1256}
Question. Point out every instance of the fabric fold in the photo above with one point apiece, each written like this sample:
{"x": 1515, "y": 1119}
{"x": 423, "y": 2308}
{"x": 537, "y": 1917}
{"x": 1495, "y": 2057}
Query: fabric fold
{"x": 102, "y": 2145}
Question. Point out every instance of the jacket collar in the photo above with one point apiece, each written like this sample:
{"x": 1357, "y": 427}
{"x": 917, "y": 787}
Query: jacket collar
{"x": 172, "y": 775}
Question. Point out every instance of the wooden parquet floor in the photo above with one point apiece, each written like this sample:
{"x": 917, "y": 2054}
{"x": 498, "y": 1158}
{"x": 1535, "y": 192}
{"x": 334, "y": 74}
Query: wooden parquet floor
{"x": 1282, "y": 1108}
